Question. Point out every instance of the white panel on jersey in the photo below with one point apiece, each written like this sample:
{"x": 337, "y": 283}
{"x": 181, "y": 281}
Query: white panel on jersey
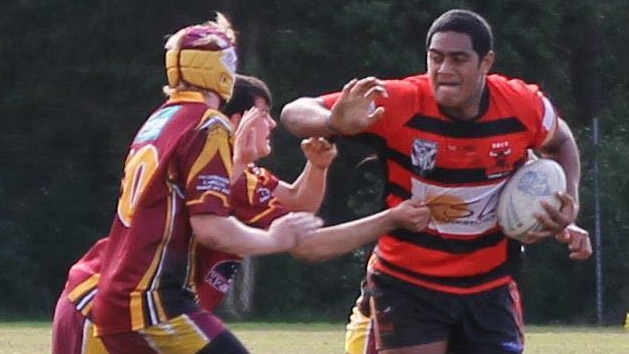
{"x": 459, "y": 211}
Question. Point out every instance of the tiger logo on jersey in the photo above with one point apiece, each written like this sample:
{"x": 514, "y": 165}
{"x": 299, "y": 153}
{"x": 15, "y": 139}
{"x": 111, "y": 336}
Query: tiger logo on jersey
{"x": 424, "y": 156}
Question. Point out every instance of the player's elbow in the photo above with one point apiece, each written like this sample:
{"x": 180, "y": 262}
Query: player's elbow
{"x": 209, "y": 231}
{"x": 292, "y": 114}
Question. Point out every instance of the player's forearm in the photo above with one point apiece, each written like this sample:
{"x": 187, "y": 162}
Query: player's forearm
{"x": 566, "y": 153}
{"x": 334, "y": 241}
{"x": 308, "y": 190}
{"x": 229, "y": 235}
{"x": 305, "y": 117}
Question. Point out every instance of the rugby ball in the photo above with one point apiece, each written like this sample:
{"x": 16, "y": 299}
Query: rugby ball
{"x": 532, "y": 183}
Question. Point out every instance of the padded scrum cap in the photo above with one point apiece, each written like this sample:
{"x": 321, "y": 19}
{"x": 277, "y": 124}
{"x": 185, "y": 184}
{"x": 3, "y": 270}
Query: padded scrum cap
{"x": 203, "y": 56}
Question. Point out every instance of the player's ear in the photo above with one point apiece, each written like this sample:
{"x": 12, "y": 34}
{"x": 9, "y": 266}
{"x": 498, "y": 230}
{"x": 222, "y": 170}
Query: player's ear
{"x": 487, "y": 62}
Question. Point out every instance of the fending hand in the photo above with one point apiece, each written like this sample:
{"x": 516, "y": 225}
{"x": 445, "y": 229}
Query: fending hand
{"x": 355, "y": 110}
{"x": 319, "y": 151}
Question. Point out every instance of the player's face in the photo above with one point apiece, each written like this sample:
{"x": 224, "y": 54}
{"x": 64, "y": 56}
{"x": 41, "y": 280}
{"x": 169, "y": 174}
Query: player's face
{"x": 456, "y": 72}
{"x": 263, "y": 128}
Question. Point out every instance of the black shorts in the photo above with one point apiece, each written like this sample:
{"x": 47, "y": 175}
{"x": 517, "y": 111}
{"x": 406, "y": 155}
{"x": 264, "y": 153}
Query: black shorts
{"x": 408, "y": 315}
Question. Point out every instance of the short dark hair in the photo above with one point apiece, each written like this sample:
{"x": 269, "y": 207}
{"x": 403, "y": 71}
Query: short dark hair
{"x": 467, "y": 22}
{"x": 246, "y": 90}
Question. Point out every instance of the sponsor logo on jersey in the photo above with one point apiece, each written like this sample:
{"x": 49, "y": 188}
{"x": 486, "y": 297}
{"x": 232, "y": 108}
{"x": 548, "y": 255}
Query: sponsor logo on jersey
{"x": 424, "y": 156}
{"x": 213, "y": 183}
{"x": 222, "y": 274}
{"x": 154, "y": 126}
{"x": 264, "y": 194}
{"x": 499, "y": 152}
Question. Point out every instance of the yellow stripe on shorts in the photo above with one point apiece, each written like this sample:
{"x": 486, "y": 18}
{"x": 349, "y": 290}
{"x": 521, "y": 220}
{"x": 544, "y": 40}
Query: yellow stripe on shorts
{"x": 178, "y": 335}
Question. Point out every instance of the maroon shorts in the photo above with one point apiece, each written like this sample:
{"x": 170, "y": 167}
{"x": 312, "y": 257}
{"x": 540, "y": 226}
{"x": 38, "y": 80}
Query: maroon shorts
{"x": 73, "y": 333}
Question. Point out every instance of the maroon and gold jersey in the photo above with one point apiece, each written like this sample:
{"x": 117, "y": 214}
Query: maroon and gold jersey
{"x": 458, "y": 168}
{"x": 252, "y": 203}
{"x": 83, "y": 277}
{"x": 178, "y": 165}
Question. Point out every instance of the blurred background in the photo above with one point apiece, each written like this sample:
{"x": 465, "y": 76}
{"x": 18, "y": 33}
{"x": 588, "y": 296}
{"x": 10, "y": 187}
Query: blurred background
{"x": 77, "y": 78}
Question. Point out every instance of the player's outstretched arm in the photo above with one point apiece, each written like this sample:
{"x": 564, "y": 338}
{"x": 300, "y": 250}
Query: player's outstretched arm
{"x": 306, "y": 116}
{"x": 307, "y": 191}
{"x": 333, "y": 241}
{"x": 352, "y": 113}
{"x": 228, "y": 234}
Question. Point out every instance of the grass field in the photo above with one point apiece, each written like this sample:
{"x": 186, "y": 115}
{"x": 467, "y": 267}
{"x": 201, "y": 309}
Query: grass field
{"x": 324, "y": 338}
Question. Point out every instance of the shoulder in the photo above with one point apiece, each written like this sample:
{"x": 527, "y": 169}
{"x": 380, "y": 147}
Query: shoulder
{"x": 212, "y": 120}
{"x": 406, "y": 92}
{"x": 409, "y": 85}
{"x": 513, "y": 88}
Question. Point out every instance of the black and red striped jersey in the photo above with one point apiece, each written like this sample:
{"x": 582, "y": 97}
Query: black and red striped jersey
{"x": 458, "y": 168}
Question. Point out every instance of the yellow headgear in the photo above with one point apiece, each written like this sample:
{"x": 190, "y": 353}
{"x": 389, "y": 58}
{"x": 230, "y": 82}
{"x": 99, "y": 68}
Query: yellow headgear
{"x": 203, "y": 56}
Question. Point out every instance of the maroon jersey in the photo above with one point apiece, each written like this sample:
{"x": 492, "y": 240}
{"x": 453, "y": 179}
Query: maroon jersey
{"x": 458, "y": 168}
{"x": 252, "y": 203}
{"x": 83, "y": 278}
{"x": 178, "y": 165}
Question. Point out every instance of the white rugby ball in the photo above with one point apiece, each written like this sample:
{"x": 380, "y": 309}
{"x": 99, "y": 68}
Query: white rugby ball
{"x": 532, "y": 183}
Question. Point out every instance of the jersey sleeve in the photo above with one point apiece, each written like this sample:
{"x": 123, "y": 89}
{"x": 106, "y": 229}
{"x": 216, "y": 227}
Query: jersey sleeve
{"x": 548, "y": 122}
{"x": 252, "y": 198}
{"x": 206, "y": 164}
{"x": 539, "y": 114}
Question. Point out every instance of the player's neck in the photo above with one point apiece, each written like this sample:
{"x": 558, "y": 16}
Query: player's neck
{"x": 211, "y": 99}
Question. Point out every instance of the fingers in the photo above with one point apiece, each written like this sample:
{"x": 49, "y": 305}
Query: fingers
{"x": 319, "y": 151}
{"x": 377, "y": 89}
{"x": 554, "y": 220}
{"x": 579, "y": 243}
{"x": 563, "y": 236}
{"x": 376, "y": 114}
{"x": 581, "y": 248}
{"x": 536, "y": 236}
{"x": 248, "y": 118}
{"x": 369, "y": 88}
{"x": 316, "y": 144}
{"x": 349, "y": 86}
{"x": 412, "y": 215}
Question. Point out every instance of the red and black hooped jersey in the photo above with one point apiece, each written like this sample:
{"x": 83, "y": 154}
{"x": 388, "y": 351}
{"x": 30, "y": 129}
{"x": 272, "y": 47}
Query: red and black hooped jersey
{"x": 178, "y": 165}
{"x": 458, "y": 168}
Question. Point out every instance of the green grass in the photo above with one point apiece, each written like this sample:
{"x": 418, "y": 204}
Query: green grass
{"x": 324, "y": 338}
